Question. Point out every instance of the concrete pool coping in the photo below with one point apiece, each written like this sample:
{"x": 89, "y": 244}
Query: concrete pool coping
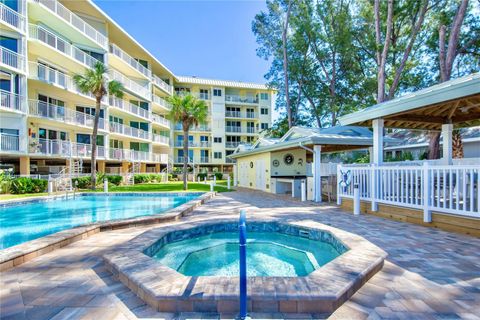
{"x": 320, "y": 292}
{"x": 18, "y": 254}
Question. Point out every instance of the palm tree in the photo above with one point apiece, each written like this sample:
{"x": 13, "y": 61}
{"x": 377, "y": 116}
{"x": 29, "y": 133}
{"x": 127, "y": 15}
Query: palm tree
{"x": 189, "y": 111}
{"x": 95, "y": 82}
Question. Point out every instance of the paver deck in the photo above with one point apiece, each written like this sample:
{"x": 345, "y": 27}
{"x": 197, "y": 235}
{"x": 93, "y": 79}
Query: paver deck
{"x": 429, "y": 273}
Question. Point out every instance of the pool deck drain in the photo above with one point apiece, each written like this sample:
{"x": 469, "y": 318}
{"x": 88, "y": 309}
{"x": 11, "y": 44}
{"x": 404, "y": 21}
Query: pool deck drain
{"x": 320, "y": 292}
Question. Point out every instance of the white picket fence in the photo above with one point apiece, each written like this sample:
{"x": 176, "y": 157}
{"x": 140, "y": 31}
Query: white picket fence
{"x": 452, "y": 189}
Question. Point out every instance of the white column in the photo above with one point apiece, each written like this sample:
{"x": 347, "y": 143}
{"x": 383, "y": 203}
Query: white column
{"x": 317, "y": 179}
{"x": 370, "y": 154}
{"x": 377, "y": 125}
{"x": 447, "y": 133}
{"x": 235, "y": 178}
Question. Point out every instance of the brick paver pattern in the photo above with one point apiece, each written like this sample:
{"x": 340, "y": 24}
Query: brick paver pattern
{"x": 429, "y": 273}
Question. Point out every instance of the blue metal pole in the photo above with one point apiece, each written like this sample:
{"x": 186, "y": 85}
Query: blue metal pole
{"x": 242, "y": 230}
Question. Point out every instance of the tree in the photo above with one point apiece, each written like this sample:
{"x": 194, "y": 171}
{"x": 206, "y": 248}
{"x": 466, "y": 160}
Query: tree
{"x": 95, "y": 82}
{"x": 189, "y": 111}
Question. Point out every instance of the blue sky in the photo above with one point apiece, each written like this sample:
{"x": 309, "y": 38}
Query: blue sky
{"x": 211, "y": 39}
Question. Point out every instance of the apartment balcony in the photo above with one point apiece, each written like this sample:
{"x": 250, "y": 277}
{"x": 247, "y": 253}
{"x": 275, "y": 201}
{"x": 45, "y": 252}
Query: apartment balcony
{"x": 12, "y": 60}
{"x": 156, "y": 138}
{"x": 54, "y": 77}
{"x": 63, "y": 149}
{"x": 68, "y": 23}
{"x": 53, "y": 112}
{"x": 12, "y": 102}
{"x": 191, "y": 144}
{"x": 9, "y": 143}
{"x": 129, "y": 61}
{"x": 162, "y": 84}
{"x": 204, "y": 160}
{"x": 239, "y": 99}
{"x": 46, "y": 37}
{"x": 200, "y": 128}
{"x": 239, "y": 114}
{"x": 136, "y": 156}
{"x": 129, "y": 107}
{"x": 159, "y": 157}
{"x": 129, "y": 131}
{"x": 229, "y": 160}
{"x": 134, "y": 87}
{"x": 157, "y": 119}
{"x": 238, "y": 129}
{"x": 232, "y": 145}
{"x": 161, "y": 102}
{"x": 12, "y": 18}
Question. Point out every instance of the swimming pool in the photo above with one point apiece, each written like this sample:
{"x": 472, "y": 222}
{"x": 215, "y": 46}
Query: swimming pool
{"x": 34, "y": 219}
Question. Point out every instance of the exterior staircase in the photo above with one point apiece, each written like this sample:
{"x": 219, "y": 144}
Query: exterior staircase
{"x": 62, "y": 181}
{"x": 130, "y": 177}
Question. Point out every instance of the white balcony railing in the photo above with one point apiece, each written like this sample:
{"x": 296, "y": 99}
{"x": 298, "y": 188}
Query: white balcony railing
{"x": 52, "y": 76}
{"x": 12, "y": 101}
{"x": 59, "y": 113}
{"x": 131, "y": 85}
{"x": 235, "y": 98}
{"x": 202, "y": 127}
{"x": 160, "y": 120}
{"x": 75, "y": 21}
{"x": 232, "y": 144}
{"x": 451, "y": 189}
{"x": 9, "y": 142}
{"x": 160, "y": 139}
{"x": 135, "y": 156}
{"x": 43, "y": 35}
{"x": 201, "y": 144}
{"x": 161, "y": 102}
{"x": 129, "y": 107}
{"x": 233, "y": 129}
{"x": 116, "y": 51}
{"x": 239, "y": 114}
{"x": 62, "y": 148}
{"x": 162, "y": 84}
{"x": 128, "y": 131}
{"x": 12, "y": 59}
{"x": 12, "y": 17}
{"x": 204, "y": 160}
{"x": 160, "y": 157}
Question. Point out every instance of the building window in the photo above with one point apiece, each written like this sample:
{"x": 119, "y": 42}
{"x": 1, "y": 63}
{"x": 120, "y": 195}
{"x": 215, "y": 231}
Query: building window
{"x": 204, "y": 94}
{"x": 263, "y": 96}
{"x": 263, "y": 110}
{"x": 217, "y": 139}
{"x": 264, "y": 126}
{"x": 217, "y": 155}
{"x": 217, "y": 92}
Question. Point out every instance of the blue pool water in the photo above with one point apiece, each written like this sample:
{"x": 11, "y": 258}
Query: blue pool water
{"x": 268, "y": 254}
{"x": 24, "y": 222}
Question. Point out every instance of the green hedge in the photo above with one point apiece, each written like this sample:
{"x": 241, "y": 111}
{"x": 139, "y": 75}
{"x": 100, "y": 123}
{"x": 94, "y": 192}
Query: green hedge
{"x": 218, "y": 175}
{"x": 147, "y": 178}
{"x": 116, "y": 180}
{"x": 202, "y": 176}
{"x": 28, "y": 185}
{"x": 83, "y": 182}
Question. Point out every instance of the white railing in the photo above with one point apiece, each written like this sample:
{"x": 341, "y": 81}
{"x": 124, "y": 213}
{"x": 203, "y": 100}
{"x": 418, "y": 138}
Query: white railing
{"x": 452, "y": 189}
{"x": 12, "y": 101}
{"x": 129, "y": 84}
{"x": 115, "y": 50}
{"x": 161, "y": 139}
{"x": 160, "y": 120}
{"x": 128, "y": 131}
{"x": 12, "y": 17}
{"x": 233, "y": 129}
{"x": 235, "y": 98}
{"x": 232, "y": 145}
{"x": 61, "y": 148}
{"x": 41, "y": 34}
{"x": 130, "y": 155}
{"x": 129, "y": 107}
{"x": 59, "y": 113}
{"x": 75, "y": 21}
{"x": 204, "y": 160}
{"x": 162, "y": 84}
{"x": 161, "y": 102}
{"x": 9, "y": 142}
{"x": 160, "y": 157}
{"x": 12, "y": 59}
{"x": 238, "y": 114}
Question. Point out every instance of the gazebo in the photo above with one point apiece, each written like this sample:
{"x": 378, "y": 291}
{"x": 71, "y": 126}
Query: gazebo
{"x": 443, "y": 187}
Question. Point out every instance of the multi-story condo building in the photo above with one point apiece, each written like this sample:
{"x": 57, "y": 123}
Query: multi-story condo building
{"x": 46, "y": 122}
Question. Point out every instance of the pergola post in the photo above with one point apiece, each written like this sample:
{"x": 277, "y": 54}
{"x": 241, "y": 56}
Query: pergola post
{"x": 377, "y": 125}
{"x": 317, "y": 178}
{"x": 447, "y": 133}
{"x": 235, "y": 179}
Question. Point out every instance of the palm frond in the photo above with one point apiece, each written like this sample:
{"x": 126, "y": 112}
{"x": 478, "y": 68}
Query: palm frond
{"x": 115, "y": 88}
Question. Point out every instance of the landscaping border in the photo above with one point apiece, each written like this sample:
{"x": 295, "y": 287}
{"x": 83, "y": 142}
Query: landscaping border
{"x": 16, "y": 255}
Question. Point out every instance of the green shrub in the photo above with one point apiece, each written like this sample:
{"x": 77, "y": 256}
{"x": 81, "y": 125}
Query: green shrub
{"x": 5, "y": 181}
{"x": 83, "y": 182}
{"x": 147, "y": 178}
{"x": 218, "y": 175}
{"x": 202, "y": 176}
{"x": 116, "y": 180}
{"x": 28, "y": 185}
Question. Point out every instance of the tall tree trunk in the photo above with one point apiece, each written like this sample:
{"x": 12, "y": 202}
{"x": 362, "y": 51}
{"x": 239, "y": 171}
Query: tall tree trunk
{"x": 93, "y": 163}
{"x": 285, "y": 66}
{"x": 185, "y": 156}
{"x": 446, "y": 57}
{"x": 382, "y": 55}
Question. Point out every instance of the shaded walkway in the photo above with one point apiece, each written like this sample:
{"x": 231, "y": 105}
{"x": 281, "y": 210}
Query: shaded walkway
{"x": 429, "y": 274}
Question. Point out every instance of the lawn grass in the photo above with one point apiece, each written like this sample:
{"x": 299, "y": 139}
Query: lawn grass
{"x": 176, "y": 186}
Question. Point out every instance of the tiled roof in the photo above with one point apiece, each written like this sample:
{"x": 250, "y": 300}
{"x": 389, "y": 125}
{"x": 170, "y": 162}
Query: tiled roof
{"x": 222, "y": 83}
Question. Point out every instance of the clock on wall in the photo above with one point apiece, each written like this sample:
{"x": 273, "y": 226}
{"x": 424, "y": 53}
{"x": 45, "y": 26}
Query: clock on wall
{"x": 276, "y": 163}
{"x": 288, "y": 159}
